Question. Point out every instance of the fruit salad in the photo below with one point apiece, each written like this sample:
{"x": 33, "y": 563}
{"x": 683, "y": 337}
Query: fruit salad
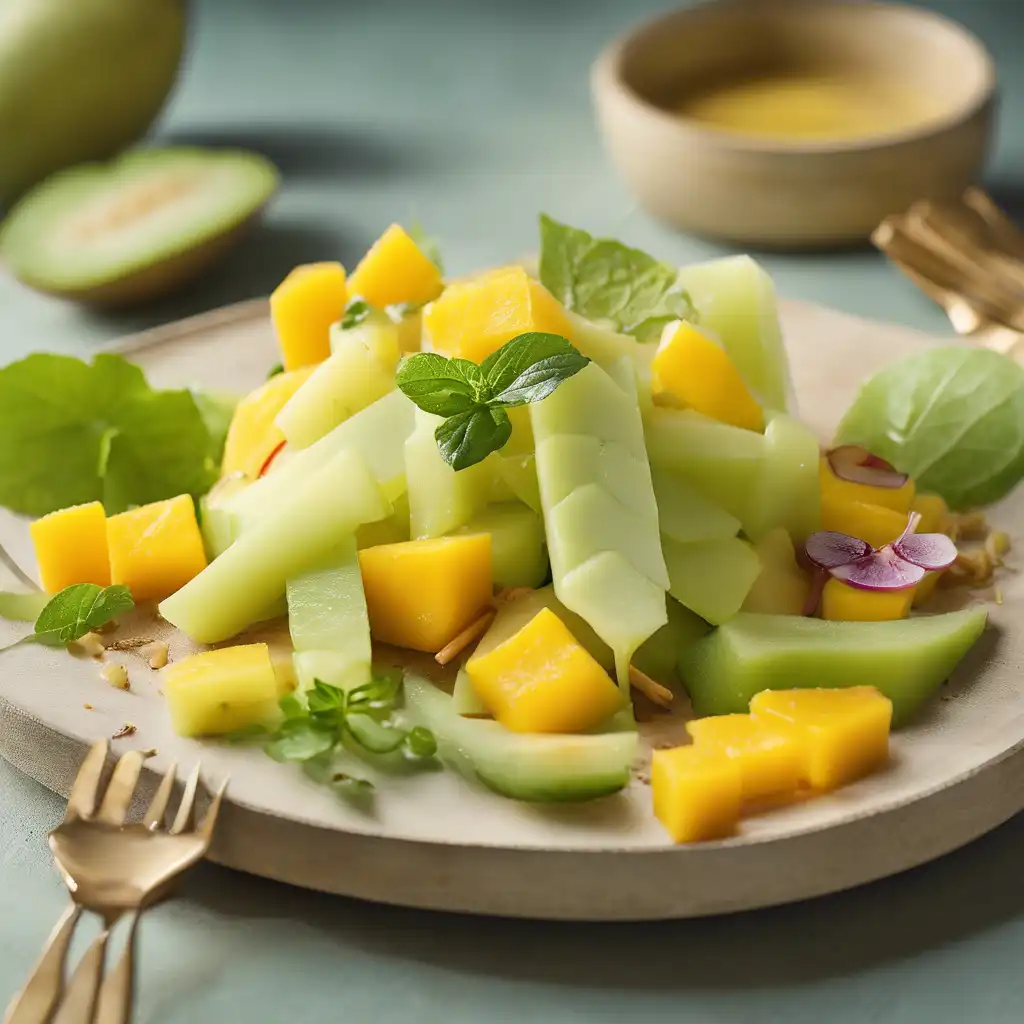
{"x": 581, "y": 489}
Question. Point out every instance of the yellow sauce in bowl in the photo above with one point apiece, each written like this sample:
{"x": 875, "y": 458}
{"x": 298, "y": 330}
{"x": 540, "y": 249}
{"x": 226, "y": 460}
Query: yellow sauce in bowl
{"x": 811, "y": 105}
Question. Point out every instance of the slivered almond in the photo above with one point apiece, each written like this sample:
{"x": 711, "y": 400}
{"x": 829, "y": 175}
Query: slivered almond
{"x": 475, "y": 629}
{"x": 650, "y": 688}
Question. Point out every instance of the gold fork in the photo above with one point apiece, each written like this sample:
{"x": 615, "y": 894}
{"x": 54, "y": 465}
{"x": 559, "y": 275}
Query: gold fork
{"x": 113, "y": 869}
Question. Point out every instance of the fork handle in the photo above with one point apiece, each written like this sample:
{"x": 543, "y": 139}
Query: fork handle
{"x": 36, "y": 1002}
{"x": 116, "y": 998}
{"x": 79, "y": 1002}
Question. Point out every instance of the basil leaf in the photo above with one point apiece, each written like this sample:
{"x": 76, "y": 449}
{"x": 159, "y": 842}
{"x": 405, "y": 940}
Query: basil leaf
{"x": 325, "y": 698}
{"x": 604, "y": 280}
{"x": 469, "y": 437}
{"x": 300, "y": 739}
{"x": 952, "y": 418}
{"x": 355, "y": 313}
{"x": 442, "y": 386}
{"x": 502, "y": 367}
{"x": 78, "y": 610}
{"x": 538, "y": 381}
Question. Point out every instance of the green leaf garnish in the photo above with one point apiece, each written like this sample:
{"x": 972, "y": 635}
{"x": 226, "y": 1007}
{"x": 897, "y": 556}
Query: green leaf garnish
{"x": 952, "y": 418}
{"x": 277, "y": 368}
{"x": 217, "y": 409}
{"x": 604, "y": 280}
{"x": 76, "y": 432}
{"x": 25, "y": 607}
{"x": 473, "y": 398}
{"x": 427, "y": 245}
{"x": 355, "y": 313}
{"x": 376, "y": 737}
{"x": 442, "y": 386}
{"x": 79, "y": 609}
{"x": 301, "y": 739}
{"x": 469, "y": 437}
{"x": 421, "y": 742}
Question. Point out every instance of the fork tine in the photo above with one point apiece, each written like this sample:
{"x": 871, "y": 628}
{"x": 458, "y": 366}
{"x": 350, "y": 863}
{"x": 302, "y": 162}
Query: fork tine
{"x": 158, "y": 807}
{"x": 121, "y": 789}
{"x": 79, "y": 1003}
{"x": 85, "y": 789}
{"x": 210, "y": 818}
{"x": 183, "y": 819}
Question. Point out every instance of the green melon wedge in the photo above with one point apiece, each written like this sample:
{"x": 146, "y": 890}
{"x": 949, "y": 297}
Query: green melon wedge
{"x": 907, "y": 660}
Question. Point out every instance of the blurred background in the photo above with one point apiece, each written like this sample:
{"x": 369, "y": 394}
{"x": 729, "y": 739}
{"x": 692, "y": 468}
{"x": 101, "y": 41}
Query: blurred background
{"x": 471, "y": 117}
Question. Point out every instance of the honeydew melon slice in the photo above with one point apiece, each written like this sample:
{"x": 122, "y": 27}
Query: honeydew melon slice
{"x": 712, "y": 577}
{"x": 518, "y": 552}
{"x": 685, "y": 515}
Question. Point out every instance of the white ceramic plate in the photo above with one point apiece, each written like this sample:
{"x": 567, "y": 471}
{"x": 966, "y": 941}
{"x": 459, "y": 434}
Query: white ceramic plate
{"x": 435, "y": 840}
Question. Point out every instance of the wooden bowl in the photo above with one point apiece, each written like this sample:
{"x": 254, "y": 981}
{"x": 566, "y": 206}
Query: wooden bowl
{"x": 791, "y": 193}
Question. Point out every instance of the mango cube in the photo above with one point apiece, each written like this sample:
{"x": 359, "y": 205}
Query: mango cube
{"x": 925, "y": 590}
{"x": 221, "y": 691}
{"x": 395, "y": 270}
{"x": 691, "y": 369}
{"x": 934, "y": 513}
{"x": 421, "y": 594}
{"x": 474, "y": 318}
{"x": 842, "y": 603}
{"x": 769, "y": 755}
{"x": 156, "y": 549}
{"x": 697, "y": 793}
{"x": 71, "y": 547}
{"x": 843, "y": 733}
{"x": 835, "y": 487}
{"x": 543, "y": 680}
{"x": 303, "y": 307}
{"x": 253, "y": 437}
{"x": 876, "y": 524}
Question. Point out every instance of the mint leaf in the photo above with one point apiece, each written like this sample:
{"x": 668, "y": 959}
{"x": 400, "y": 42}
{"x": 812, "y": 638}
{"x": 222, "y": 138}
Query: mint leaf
{"x": 25, "y": 607}
{"x": 355, "y": 313}
{"x": 528, "y": 368}
{"x": 76, "y": 432}
{"x": 442, "y": 386}
{"x": 78, "y": 610}
{"x": 427, "y": 245}
{"x": 952, "y": 418}
{"x": 604, "y": 280}
{"x": 469, "y": 437}
{"x": 301, "y": 739}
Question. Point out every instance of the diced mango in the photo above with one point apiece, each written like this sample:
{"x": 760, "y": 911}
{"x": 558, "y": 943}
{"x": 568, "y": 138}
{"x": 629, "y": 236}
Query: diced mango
{"x": 303, "y": 307}
{"x": 395, "y": 270}
{"x": 769, "y": 756}
{"x": 934, "y": 513}
{"x": 692, "y": 369}
{"x": 71, "y": 547}
{"x": 697, "y": 793}
{"x": 474, "y": 318}
{"x": 253, "y": 436}
{"x": 156, "y": 549}
{"x": 221, "y": 691}
{"x": 846, "y": 491}
{"x": 842, "y": 603}
{"x": 543, "y": 680}
{"x": 876, "y": 524}
{"x": 844, "y": 733}
{"x": 422, "y": 593}
{"x": 925, "y": 590}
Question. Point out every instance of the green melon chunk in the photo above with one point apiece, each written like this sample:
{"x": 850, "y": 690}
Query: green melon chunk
{"x": 658, "y": 657}
{"x": 441, "y": 499}
{"x": 518, "y": 551}
{"x": 569, "y": 461}
{"x": 782, "y": 587}
{"x": 465, "y": 699}
{"x": 590, "y": 521}
{"x": 711, "y": 577}
{"x": 360, "y": 370}
{"x": 234, "y": 590}
{"x": 377, "y": 433}
{"x": 590, "y": 403}
{"x": 736, "y": 300}
{"x": 519, "y": 474}
{"x": 907, "y": 659}
{"x": 722, "y": 462}
{"x": 622, "y": 605}
{"x": 602, "y": 344}
{"x": 335, "y": 668}
{"x": 790, "y": 492}
{"x": 523, "y": 766}
{"x": 392, "y": 530}
{"x": 685, "y": 515}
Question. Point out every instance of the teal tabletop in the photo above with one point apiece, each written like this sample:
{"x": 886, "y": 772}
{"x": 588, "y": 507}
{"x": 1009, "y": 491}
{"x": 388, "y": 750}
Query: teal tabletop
{"x": 472, "y": 117}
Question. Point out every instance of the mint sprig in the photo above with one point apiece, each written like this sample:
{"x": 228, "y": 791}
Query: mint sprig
{"x": 356, "y": 312}
{"x": 604, "y": 280}
{"x": 473, "y": 399}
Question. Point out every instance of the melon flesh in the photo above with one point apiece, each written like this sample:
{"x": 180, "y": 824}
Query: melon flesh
{"x": 711, "y": 577}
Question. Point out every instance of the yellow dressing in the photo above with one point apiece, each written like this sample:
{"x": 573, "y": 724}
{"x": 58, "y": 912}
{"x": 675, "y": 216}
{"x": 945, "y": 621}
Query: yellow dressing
{"x": 810, "y": 105}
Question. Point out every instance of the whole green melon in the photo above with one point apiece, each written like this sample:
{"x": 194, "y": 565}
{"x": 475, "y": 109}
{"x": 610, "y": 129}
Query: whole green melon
{"x": 80, "y": 80}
